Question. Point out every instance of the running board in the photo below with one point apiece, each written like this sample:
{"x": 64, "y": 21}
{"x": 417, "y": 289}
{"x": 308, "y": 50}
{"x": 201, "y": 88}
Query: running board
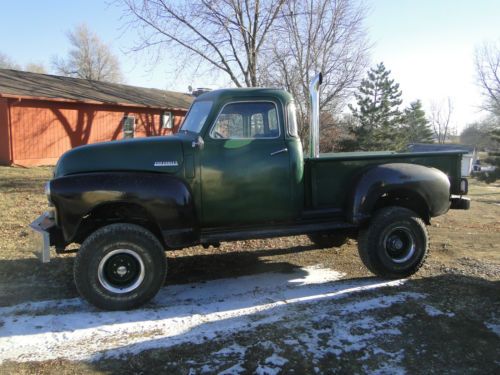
{"x": 227, "y": 234}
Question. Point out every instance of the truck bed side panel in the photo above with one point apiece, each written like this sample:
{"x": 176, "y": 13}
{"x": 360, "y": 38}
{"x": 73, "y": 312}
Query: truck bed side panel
{"x": 329, "y": 178}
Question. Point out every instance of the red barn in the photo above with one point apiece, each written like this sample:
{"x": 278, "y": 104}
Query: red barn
{"x": 42, "y": 116}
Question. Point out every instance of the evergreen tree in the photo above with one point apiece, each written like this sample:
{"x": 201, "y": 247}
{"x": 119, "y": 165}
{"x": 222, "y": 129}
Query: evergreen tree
{"x": 378, "y": 100}
{"x": 415, "y": 127}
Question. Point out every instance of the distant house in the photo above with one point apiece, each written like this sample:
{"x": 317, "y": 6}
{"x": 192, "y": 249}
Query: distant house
{"x": 433, "y": 147}
{"x": 42, "y": 116}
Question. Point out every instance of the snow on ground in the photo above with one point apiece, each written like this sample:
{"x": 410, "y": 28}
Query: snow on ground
{"x": 192, "y": 313}
{"x": 432, "y": 311}
{"x": 493, "y": 327}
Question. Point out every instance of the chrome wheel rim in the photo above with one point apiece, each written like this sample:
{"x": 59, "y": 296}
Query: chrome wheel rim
{"x": 399, "y": 244}
{"x": 121, "y": 271}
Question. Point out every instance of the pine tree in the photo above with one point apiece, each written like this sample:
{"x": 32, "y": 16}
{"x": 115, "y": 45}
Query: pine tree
{"x": 415, "y": 127}
{"x": 378, "y": 100}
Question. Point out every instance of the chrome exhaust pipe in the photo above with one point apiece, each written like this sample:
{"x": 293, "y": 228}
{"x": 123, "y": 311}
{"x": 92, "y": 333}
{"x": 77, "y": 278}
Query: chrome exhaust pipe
{"x": 314, "y": 122}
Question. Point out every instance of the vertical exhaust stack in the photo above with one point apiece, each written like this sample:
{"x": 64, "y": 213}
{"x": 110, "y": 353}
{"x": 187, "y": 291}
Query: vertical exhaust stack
{"x": 314, "y": 126}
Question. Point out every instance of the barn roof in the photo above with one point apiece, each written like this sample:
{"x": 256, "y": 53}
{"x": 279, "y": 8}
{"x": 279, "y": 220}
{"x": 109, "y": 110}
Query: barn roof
{"x": 15, "y": 83}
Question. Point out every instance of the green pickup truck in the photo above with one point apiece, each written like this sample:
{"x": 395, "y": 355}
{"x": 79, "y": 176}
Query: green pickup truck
{"x": 236, "y": 170}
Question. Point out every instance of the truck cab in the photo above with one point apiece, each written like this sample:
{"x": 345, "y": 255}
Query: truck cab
{"x": 249, "y": 157}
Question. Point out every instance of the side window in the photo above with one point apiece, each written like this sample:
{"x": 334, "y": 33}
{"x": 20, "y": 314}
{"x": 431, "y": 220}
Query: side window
{"x": 247, "y": 120}
{"x": 128, "y": 125}
{"x": 292, "y": 120}
{"x": 229, "y": 125}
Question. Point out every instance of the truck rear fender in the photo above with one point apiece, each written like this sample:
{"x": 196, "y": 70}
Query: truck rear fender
{"x": 422, "y": 189}
{"x": 160, "y": 202}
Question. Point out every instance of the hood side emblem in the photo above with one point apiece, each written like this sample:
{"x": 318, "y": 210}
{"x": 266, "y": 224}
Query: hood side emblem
{"x": 166, "y": 163}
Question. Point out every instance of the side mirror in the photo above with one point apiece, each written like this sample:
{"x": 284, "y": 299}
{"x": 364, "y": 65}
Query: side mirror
{"x": 198, "y": 143}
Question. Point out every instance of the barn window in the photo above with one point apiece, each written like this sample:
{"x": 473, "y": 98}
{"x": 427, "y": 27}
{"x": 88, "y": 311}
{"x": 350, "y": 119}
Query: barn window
{"x": 128, "y": 127}
{"x": 166, "y": 120}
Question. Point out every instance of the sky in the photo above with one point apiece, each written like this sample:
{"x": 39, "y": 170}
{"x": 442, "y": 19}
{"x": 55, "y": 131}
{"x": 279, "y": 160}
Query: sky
{"x": 428, "y": 44}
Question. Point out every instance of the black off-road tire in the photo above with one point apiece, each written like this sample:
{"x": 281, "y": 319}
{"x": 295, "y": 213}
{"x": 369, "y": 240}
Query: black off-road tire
{"x": 327, "y": 240}
{"x": 378, "y": 243}
{"x": 130, "y": 249}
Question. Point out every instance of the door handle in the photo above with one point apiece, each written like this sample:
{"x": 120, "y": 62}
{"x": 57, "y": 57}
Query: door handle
{"x": 279, "y": 151}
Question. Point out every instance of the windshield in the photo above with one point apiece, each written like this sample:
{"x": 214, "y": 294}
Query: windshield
{"x": 196, "y": 116}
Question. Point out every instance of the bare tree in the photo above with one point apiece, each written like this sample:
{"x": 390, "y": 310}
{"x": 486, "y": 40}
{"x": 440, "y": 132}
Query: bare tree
{"x": 35, "y": 68}
{"x": 228, "y": 35}
{"x": 264, "y": 42}
{"x": 440, "y": 119}
{"x": 89, "y": 58}
{"x": 487, "y": 62}
{"x": 7, "y": 63}
{"x": 319, "y": 36}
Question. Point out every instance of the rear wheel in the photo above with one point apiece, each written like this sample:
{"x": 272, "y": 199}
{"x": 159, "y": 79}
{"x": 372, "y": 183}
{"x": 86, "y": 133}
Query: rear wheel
{"x": 395, "y": 244}
{"x": 120, "y": 267}
{"x": 326, "y": 240}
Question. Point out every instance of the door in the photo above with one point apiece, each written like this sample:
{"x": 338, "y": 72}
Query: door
{"x": 245, "y": 177}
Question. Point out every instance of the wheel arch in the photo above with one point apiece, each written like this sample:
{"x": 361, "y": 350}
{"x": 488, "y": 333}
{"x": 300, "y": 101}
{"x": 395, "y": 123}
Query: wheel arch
{"x": 406, "y": 198}
{"x": 159, "y": 202}
{"x": 424, "y": 190}
{"x": 107, "y": 213}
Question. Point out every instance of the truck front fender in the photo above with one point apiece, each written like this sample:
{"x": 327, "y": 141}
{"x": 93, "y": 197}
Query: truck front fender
{"x": 165, "y": 200}
{"x": 419, "y": 185}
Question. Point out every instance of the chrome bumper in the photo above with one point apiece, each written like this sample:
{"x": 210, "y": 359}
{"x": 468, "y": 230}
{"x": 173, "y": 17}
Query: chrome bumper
{"x": 40, "y": 236}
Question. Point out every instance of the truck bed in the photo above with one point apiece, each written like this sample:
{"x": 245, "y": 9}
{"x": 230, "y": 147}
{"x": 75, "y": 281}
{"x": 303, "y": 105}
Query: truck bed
{"x": 329, "y": 176}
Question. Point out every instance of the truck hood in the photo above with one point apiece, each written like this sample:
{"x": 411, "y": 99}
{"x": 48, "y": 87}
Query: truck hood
{"x": 154, "y": 154}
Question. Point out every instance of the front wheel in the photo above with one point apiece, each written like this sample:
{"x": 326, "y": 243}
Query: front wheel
{"x": 120, "y": 267}
{"x": 395, "y": 244}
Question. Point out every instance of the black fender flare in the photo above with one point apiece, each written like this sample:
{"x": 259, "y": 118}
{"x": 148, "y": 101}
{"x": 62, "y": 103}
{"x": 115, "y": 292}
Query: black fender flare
{"x": 431, "y": 185}
{"x": 166, "y": 199}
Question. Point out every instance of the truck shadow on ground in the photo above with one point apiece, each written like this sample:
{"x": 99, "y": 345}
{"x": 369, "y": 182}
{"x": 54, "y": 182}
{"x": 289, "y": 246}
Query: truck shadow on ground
{"x": 272, "y": 282}
{"x": 488, "y": 198}
{"x": 489, "y": 201}
{"x": 23, "y": 280}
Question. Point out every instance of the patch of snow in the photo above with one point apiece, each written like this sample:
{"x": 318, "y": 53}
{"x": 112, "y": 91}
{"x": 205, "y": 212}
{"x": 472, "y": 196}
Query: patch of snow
{"x": 194, "y": 313}
{"x": 266, "y": 370}
{"x": 433, "y": 311}
{"x": 291, "y": 342}
{"x": 275, "y": 360}
{"x": 378, "y": 302}
{"x": 236, "y": 369}
{"x": 206, "y": 369}
{"x": 493, "y": 327}
{"x": 336, "y": 333}
{"x": 233, "y": 349}
{"x": 316, "y": 275}
{"x": 387, "y": 369}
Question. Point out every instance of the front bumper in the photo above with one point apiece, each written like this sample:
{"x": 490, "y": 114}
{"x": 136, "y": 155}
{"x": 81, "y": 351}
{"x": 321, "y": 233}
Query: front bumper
{"x": 459, "y": 203}
{"x": 40, "y": 240}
